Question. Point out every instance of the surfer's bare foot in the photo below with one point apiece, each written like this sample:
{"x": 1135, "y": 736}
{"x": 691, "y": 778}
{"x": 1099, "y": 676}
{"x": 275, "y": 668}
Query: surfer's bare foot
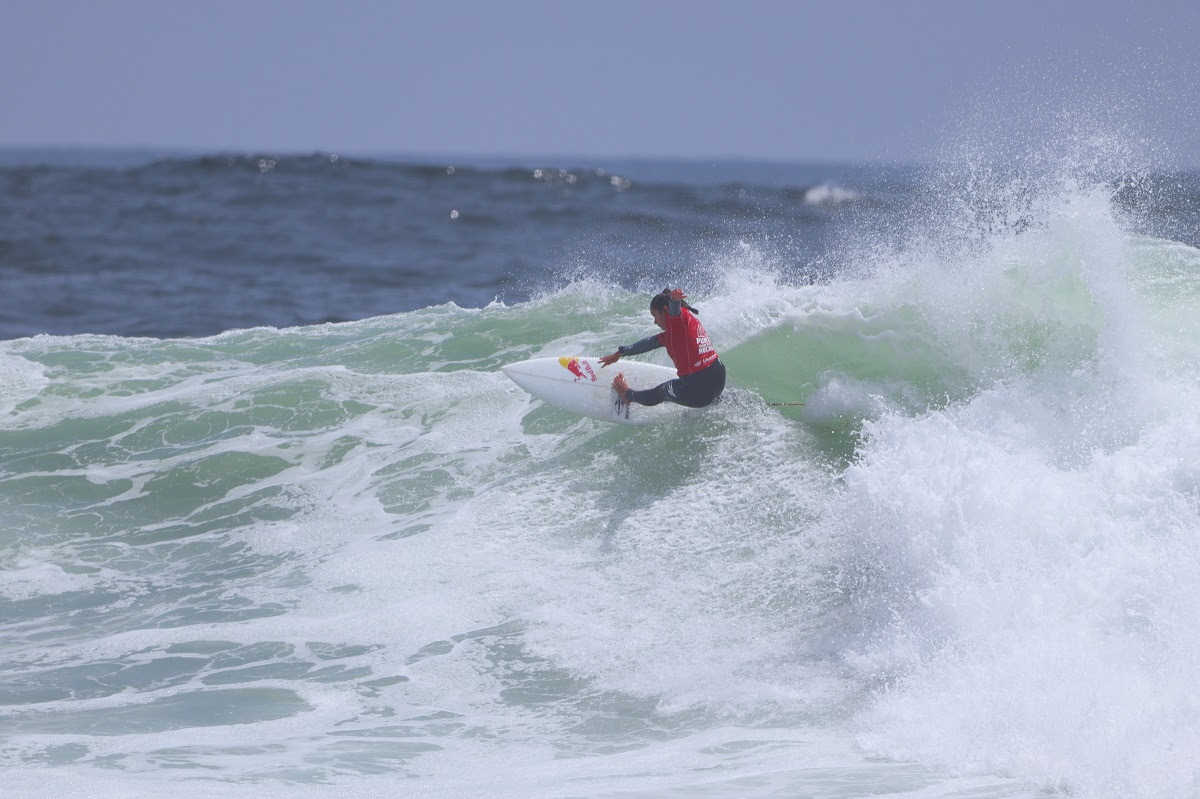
{"x": 620, "y": 385}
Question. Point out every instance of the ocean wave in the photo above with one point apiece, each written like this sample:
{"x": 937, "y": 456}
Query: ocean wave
{"x": 308, "y": 556}
{"x": 829, "y": 194}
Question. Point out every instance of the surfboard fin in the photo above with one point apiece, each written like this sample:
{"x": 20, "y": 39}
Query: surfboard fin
{"x": 622, "y": 405}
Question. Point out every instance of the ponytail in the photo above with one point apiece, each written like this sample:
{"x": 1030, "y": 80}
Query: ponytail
{"x": 660, "y": 302}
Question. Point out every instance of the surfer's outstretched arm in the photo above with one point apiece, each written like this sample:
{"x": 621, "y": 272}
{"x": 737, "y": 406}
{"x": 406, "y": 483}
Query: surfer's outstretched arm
{"x": 637, "y": 348}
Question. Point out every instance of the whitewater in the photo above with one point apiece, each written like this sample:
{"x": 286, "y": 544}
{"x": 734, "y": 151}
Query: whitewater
{"x": 353, "y": 558}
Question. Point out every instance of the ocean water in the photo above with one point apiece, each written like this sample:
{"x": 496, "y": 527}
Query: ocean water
{"x": 273, "y": 523}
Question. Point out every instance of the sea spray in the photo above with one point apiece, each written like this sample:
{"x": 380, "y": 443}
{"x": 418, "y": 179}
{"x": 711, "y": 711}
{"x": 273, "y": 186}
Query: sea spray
{"x": 1017, "y": 557}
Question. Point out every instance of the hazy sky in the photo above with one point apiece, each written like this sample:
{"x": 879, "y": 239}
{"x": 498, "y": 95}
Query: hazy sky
{"x": 769, "y": 80}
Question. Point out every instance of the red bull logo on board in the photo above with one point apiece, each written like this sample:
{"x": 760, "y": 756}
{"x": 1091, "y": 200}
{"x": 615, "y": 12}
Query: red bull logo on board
{"x": 578, "y": 368}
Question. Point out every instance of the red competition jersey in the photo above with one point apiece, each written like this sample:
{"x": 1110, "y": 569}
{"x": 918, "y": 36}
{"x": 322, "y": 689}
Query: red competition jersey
{"x": 687, "y": 343}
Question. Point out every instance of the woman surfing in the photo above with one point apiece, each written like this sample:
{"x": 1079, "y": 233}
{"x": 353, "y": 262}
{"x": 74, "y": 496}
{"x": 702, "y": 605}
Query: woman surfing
{"x": 701, "y": 373}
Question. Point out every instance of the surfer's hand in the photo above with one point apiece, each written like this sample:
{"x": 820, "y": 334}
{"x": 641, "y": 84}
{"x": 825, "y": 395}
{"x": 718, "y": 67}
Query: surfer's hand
{"x": 677, "y": 295}
{"x": 609, "y": 360}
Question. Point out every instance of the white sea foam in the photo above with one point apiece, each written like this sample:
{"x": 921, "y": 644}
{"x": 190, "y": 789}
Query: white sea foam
{"x": 1029, "y": 550}
{"x": 31, "y": 576}
{"x": 829, "y": 194}
{"x": 21, "y": 381}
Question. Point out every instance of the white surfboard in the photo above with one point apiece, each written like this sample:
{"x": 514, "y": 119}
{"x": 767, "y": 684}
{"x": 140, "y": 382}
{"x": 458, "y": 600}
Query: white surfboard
{"x": 580, "y": 385}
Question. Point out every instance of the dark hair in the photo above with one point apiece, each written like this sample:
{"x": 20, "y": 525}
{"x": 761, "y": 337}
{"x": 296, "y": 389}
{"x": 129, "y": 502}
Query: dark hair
{"x": 659, "y": 301}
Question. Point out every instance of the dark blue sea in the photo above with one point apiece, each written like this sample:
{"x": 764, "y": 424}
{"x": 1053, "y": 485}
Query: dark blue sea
{"x": 273, "y": 521}
{"x": 137, "y": 245}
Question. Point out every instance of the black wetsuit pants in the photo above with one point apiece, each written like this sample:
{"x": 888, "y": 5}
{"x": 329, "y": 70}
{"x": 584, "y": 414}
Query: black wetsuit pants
{"x": 695, "y": 390}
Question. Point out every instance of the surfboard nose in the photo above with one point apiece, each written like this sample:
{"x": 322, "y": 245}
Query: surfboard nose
{"x": 513, "y": 373}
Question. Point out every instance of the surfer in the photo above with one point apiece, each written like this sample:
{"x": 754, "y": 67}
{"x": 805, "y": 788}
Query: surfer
{"x": 701, "y": 373}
